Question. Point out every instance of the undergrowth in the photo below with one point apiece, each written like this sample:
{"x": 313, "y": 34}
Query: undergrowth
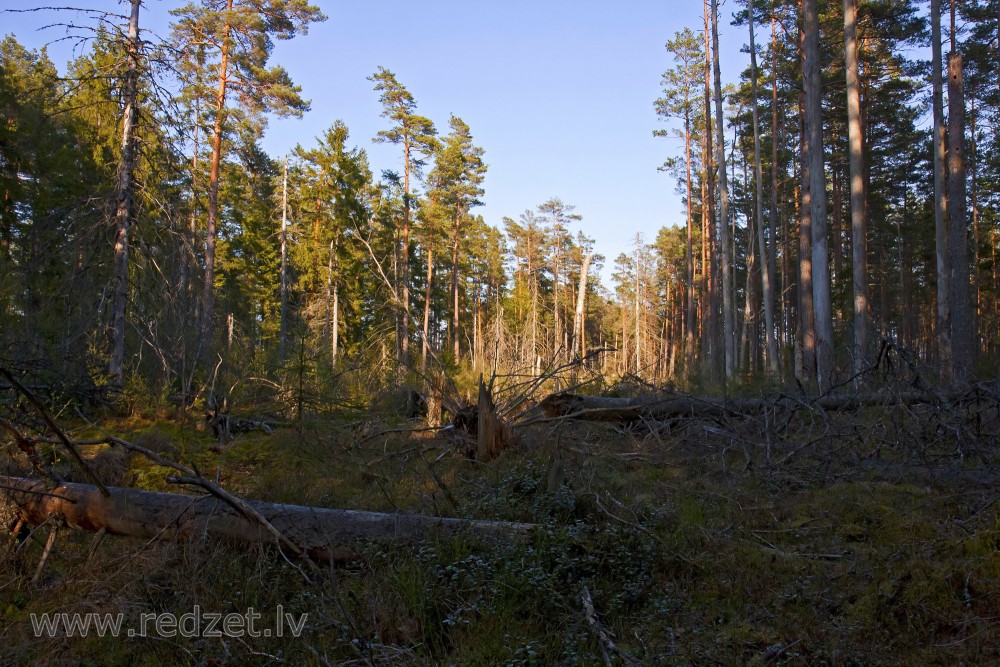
{"x": 693, "y": 552}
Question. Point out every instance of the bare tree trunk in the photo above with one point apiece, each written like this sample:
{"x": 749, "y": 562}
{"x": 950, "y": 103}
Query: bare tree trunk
{"x": 283, "y": 324}
{"x": 581, "y": 306}
{"x": 425, "y": 338}
{"x": 454, "y": 289}
{"x": 859, "y": 244}
{"x": 404, "y": 268}
{"x": 775, "y": 140}
{"x": 125, "y": 202}
{"x": 333, "y": 310}
{"x": 974, "y": 201}
{"x": 822, "y": 311}
{"x": 728, "y": 325}
{"x": 963, "y": 352}
{"x": 767, "y": 263}
{"x": 208, "y": 294}
{"x": 557, "y": 334}
{"x": 638, "y": 343}
{"x": 807, "y": 330}
{"x": 321, "y": 533}
{"x": 712, "y": 347}
{"x": 689, "y": 323}
{"x": 940, "y": 198}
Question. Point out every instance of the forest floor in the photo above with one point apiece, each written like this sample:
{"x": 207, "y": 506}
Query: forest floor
{"x": 659, "y": 544}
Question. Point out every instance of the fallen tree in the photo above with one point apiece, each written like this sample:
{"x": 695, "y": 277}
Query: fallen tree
{"x": 323, "y": 534}
{"x": 612, "y": 408}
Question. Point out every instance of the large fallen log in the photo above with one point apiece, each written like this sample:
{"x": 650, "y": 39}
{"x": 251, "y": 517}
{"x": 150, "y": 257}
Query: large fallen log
{"x": 324, "y": 534}
{"x": 616, "y": 409}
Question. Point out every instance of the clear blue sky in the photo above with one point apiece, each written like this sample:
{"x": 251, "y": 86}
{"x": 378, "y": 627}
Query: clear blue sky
{"x": 558, "y": 93}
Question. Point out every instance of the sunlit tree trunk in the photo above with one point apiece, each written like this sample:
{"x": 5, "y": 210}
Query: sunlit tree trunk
{"x": 454, "y": 288}
{"x": 963, "y": 352}
{"x": 822, "y": 307}
{"x": 689, "y": 321}
{"x": 579, "y": 349}
{"x": 728, "y": 325}
{"x": 283, "y": 323}
{"x": 859, "y": 244}
{"x": 208, "y": 293}
{"x": 712, "y": 345}
{"x": 425, "y": 337}
{"x": 333, "y": 306}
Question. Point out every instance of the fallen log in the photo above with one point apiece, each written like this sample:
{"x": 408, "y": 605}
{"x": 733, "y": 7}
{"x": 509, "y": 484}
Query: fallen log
{"x": 616, "y": 409}
{"x": 322, "y": 533}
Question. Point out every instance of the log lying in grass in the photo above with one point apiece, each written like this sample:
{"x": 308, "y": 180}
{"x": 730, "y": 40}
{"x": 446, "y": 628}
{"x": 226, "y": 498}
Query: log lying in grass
{"x": 614, "y": 409}
{"x": 324, "y": 534}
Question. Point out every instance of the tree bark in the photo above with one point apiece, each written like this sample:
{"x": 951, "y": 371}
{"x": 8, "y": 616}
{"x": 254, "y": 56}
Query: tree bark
{"x": 283, "y": 324}
{"x": 689, "y": 318}
{"x": 859, "y": 245}
{"x": 404, "y": 268}
{"x": 711, "y": 345}
{"x": 456, "y": 347}
{"x": 963, "y": 352}
{"x": 940, "y": 198}
{"x": 425, "y": 339}
{"x": 728, "y": 325}
{"x": 822, "y": 307}
{"x": 767, "y": 264}
{"x": 208, "y": 293}
{"x": 125, "y": 202}
{"x": 775, "y": 140}
{"x": 324, "y": 534}
{"x": 807, "y": 328}
{"x": 579, "y": 330}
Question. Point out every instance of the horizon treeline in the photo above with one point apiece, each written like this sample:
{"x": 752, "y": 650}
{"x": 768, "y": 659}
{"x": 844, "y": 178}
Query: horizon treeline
{"x": 841, "y": 195}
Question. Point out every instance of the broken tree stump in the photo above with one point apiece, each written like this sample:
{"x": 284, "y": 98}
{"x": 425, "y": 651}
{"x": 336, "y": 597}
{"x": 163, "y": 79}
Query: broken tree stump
{"x": 493, "y": 436}
{"x": 322, "y": 533}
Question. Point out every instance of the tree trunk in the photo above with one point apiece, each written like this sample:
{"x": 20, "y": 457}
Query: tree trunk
{"x": 807, "y": 330}
{"x": 425, "y": 338}
{"x": 963, "y": 352}
{"x": 125, "y": 202}
{"x": 767, "y": 263}
{"x": 689, "y": 318}
{"x": 728, "y": 325}
{"x": 772, "y": 222}
{"x": 324, "y": 534}
{"x": 940, "y": 198}
{"x": 859, "y": 244}
{"x": 208, "y": 294}
{"x": 404, "y": 268}
{"x": 822, "y": 307}
{"x": 283, "y": 324}
{"x": 333, "y": 309}
{"x": 456, "y": 348}
{"x": 711, "y": 345}
{"x": 581, "y": 306}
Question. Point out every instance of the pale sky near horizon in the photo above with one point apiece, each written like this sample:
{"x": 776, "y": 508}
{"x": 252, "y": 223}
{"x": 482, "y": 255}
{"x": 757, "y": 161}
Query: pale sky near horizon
{"x": 559, "y": 94}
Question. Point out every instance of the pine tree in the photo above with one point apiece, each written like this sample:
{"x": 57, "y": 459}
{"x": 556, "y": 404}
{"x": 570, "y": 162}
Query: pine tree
{"x": 417, "y": 136}
{"x": 234, "y": 38}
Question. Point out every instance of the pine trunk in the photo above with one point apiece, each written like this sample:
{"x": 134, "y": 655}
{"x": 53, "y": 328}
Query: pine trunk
{"x": 859, "y": 244}
{"x": 125, "y": 202}
{"x": 728, "y": 325}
